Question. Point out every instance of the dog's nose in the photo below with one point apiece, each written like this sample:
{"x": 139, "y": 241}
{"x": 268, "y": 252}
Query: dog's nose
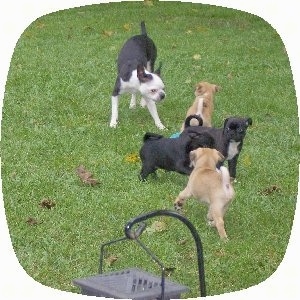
{"x": 162, "y": 96}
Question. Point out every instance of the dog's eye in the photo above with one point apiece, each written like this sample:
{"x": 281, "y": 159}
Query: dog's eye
{"x": 153, "y": 91}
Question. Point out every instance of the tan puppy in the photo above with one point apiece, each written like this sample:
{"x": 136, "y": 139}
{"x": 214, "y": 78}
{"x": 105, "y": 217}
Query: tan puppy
{"x": 209, "y": 185}
{"x": 204, "y": 102}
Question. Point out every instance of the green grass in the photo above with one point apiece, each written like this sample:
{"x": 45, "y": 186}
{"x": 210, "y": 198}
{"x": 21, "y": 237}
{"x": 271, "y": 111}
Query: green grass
{"x": 56, "y": 115}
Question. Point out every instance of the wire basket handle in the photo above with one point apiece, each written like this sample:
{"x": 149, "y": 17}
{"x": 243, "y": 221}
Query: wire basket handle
{"x": 130, "y": 234}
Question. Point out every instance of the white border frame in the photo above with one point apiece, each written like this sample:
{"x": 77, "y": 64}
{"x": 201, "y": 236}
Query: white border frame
{"x": 16, "y": 16}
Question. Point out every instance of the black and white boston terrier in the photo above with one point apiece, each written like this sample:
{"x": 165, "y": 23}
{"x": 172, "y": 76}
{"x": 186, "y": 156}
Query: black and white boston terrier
{"x": 136, "y": 74}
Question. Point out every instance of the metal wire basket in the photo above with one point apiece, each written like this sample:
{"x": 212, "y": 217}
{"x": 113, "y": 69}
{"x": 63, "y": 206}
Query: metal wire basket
{"x": 137, "y": 284}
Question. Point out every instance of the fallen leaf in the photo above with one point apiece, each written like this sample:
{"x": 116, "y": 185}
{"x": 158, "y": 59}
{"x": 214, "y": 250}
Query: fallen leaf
{"x": 47, "y": 203}
{"x": 111, "y": 259}
{"x": 148, "y": 2}
{"x": 40, "y": 24}
{"x": 229, "y": 75}
{"x": 107, "y": 33}
{"x": 270, "y": 190}
{"x": 196, "y": 56}
{"x": 246, "y": 160}
{"x": 31, "y": 221}
{"x": 182, "y": 242}
{"x": 220, "y": 253}
{"x": 86, "y": 176}
{"x": 88, "y": 28}
{"x": 157, "y": 226}
{"x": 169, "y": 271}
{"x": 127, "y": 27}
{"x": 132, "y": 158}
{"x": 202, "y": 29}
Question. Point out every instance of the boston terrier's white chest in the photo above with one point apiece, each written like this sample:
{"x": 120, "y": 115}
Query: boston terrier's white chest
{"x": 233, "y": 150}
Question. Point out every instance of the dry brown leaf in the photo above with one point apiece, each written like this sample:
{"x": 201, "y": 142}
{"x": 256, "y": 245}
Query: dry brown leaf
{"x": 229, "y": 75}
{"x": 132, "y": 158}
{"x": 40, "y": 24}
{"x": 246, "y": 160}
{"x": 220, "y": 253}
{"x": 270, "y": 190}
{"x": 157, "y": 226}
{"x": 127, "y": 26}
{"x": 107, "y": 33}
{"x": 47, "y": 203}
{"x": 32, "y": 221}
{"x": 86, "y": 176}
{"x": 111, "y": 259}
{"x": 148, "y": 2}
{"x": 182, "y": 242}
{"x": 169, "y": 271}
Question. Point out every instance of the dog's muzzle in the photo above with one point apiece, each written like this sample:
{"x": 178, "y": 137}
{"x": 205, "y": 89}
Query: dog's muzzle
{"x": 162, "y": 96}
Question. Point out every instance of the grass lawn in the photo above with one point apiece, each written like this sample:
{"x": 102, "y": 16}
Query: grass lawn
{"x": 56, "y": 114}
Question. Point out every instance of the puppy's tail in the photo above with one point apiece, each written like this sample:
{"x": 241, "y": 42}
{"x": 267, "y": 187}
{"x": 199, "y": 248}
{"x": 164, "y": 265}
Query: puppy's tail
{"x": 143, "y": 28}
{"x": 200, "y": 106}
{"x": 187, "y": 122}
{"x": 151, "y": 136}
{"x": 227, "y": 187}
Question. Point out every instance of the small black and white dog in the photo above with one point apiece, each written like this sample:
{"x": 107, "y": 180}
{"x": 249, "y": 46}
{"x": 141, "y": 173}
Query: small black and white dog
{"x": 171, "y": 154}
{"x": 227, "y": 140}
{"x": 136, "y": 74}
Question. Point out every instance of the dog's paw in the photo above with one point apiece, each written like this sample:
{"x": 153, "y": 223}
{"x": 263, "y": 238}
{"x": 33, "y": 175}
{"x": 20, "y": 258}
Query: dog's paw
{"x": 161, "y": 126}
{"x": 225, "y": 239}
{"x": 211, "y": 223}
{"x": 142, "y": 179}
{"x": 178, "y": 206}
{"x": 113, "y": 124}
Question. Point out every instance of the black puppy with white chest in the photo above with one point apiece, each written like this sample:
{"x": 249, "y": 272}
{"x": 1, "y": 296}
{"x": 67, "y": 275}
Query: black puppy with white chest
{"x": 171, "y": 154}
{"x": 136, "y": 74}
{"x": 227, "y": 140}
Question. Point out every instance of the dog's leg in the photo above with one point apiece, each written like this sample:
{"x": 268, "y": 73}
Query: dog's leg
{"x": 146, "y": 170}
{"x": 114, "y": 111}
{"x": 153, "y": 112}
{"x": 132, "y": 102}
{"x": 215, "y": 218}
{"x": 143, "y": 103}
{"x": 181, "y": 198}
{"x": 232, "y": 163}
{"x": 183, "y": 168}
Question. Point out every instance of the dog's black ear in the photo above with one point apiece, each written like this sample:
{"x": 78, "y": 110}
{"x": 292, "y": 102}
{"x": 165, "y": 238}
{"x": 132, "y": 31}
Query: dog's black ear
{"x": 249, "y": 121}
{"x": 225, "y": 124}
{"x": 157, "y": 72}
{"x": 142, "y": 75}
